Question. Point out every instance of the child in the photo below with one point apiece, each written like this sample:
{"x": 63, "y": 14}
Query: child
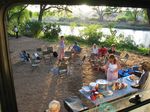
{"x": 61, "y": 48}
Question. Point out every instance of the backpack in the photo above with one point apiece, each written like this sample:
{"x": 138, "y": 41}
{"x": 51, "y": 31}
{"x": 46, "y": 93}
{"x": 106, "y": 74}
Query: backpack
{"x": 55, "y": 54}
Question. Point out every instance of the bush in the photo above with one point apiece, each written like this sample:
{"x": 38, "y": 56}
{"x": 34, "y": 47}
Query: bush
{"x": 51, "y": 31}
{"x": 92, "y": 34}
{"x": 71, "y": 39}
{"x": 33, "y": 28}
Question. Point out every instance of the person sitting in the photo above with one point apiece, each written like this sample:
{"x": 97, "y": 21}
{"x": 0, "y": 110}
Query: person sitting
{"x": 112, "y": 50}
{"x": 76, "y": 48}
{"x": 111, "y": 68}
{"x": 94, "y": 51}
{"x": 145, "y": 68}
{"x": 24, "y": 56}
{"x": 54, "y": 106}
{"x": 102, "y": 51}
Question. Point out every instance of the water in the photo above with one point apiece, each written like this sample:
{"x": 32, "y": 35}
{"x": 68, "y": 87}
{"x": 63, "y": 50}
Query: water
{"x": 138, "y": 36}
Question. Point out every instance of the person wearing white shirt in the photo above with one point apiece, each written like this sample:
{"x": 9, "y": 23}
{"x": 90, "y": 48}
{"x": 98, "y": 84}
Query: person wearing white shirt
{"x": 16, "y": 31}
{"x": 94, "y": 49}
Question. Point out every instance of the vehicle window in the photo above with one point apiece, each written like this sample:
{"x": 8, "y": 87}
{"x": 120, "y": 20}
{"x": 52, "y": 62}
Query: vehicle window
{"x": 100, "y": 54}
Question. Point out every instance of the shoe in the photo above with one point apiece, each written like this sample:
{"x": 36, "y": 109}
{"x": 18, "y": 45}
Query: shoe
{"x": 135, "y": 99}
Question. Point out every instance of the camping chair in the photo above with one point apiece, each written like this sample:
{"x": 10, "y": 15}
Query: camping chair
{"x": 50, "y": 49}
{"x": 124, "y": 59}
{"x": 39, "y": 51}
{"x": 63, "y": 68}
{"x": 83, "y": 59}
{"x": 47, "y": 56}
{"x": 68, "y": 55}
{"x": 146, "y": 85}
{"x": 35, "y": 63}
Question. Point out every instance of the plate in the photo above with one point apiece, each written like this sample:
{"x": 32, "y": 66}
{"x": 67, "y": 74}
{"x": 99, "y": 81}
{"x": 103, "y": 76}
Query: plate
{"x": 92, "y": 84}
{"x": 101, "y": 81}
{"x": 128, "y": 78}
{"x": 107, "y": 93}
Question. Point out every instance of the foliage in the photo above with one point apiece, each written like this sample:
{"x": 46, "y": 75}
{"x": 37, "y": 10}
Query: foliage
{"x": 72, "y": 26}
{"x": 51, "y": 31}
{"x": 143, "y": 51}
{"x": 91, "y": 33}
{"x": 32, "y": 28}
{"x": 17, "y": 16}
{"x": 71, "y": 39}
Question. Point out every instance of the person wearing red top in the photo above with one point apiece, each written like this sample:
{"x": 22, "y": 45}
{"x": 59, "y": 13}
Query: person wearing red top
{"x": 102, "y": 51}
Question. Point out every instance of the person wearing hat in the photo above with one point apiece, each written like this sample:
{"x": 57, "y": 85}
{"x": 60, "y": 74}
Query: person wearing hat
{"x": 112, "y": 50}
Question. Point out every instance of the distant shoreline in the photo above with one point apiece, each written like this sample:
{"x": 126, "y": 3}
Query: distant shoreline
{"x": 117, "y": 25}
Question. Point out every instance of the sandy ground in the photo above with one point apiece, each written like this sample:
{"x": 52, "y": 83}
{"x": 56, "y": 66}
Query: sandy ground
{"x": 36, "y": 88}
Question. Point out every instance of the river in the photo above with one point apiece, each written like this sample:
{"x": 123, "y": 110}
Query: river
{"x": 138, "y": 36}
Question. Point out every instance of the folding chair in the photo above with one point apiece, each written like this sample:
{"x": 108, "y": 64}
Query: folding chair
{"x": 63, "y": 68}
{"x": 146, "y": 82}
{"x": 83, "y": 59}
{"x": 35, "y": 63}
{"x": 50, "y": 49}
{"x": 68, "y": 55}
{"x": 39, "y": 51}
{"x": 124, "y": 59}
{"x": 47, "y": 56}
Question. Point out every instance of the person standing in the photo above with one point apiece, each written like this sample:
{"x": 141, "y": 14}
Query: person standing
{"x": 16, "y": 31}
{"x": 112, "y": 68}
{"x": 61, "y": 48}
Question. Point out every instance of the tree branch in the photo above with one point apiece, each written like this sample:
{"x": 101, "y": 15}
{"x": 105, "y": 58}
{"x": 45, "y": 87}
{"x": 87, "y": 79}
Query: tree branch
{"x": 9, "y": 17}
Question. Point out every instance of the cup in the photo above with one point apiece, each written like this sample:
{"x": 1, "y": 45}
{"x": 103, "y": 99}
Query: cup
{"x": 93, "y": 97}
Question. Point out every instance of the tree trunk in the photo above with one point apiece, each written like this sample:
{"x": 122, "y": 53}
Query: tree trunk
{"x": 40, "y": 16}
{"x": 101, "y": 17}
{"x": 148, "y": 14}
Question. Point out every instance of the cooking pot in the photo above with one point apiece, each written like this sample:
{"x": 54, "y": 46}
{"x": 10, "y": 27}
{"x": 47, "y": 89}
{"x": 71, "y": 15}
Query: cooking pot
{"x": 102, "y": 84}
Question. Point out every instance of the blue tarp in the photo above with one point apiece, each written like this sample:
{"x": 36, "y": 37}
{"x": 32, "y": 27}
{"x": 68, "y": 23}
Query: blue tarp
{"x": 126, "y": 72}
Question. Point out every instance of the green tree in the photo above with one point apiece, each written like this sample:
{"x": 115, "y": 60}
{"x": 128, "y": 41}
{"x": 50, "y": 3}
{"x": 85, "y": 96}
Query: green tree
{"x": 18, "y": 16}
{"x": 102, "y": 11}
{"x": 148, "y": 14}
{"x": 44, "y": 8}
{"x": 16, "y": 12}
{"x": 92, "y": 33}
{"x": 72, "y": 26}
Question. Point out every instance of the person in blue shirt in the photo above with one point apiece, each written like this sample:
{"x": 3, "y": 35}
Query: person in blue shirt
{"x": 76, "y": 48}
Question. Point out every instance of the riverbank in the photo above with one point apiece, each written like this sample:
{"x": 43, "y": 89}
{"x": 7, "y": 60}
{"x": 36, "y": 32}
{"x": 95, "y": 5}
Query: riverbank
{"x": 119, "y": 25}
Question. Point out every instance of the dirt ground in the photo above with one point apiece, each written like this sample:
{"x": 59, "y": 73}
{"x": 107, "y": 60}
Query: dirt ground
{"x": 36, "y": 88}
